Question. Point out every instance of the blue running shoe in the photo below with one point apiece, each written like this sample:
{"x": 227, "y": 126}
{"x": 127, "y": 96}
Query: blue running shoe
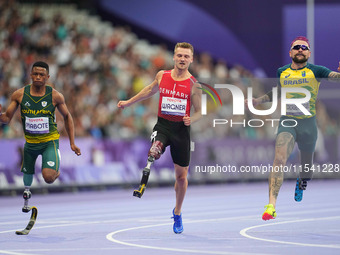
{"x": 299, "y": 188}
{"x": 178, "y": 225}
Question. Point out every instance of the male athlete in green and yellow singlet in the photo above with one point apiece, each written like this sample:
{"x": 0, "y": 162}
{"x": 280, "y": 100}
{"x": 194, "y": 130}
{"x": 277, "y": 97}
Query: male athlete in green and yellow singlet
{"x": 298, "y": 74}
{"x": 37, "y": 103}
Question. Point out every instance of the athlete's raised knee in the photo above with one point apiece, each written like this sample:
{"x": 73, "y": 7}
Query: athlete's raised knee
{"x": 156, "y": 150}
{"x": 49, "y": 179}
{"x": 50, "y": 176}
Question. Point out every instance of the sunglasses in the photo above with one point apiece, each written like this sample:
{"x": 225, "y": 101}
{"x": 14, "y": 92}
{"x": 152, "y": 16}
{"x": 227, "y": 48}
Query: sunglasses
{"x": 302, "y": 47}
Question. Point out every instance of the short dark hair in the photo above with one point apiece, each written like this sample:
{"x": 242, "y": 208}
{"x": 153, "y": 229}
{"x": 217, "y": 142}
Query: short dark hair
{"x": 184, "y": 45}
{"x": 41, "y": 64}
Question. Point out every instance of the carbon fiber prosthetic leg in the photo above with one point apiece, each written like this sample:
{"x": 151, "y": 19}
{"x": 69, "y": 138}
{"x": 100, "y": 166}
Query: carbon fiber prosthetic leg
{"x": 154, "y": 153}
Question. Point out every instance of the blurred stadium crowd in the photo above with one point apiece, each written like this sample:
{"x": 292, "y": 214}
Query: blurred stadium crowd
{"x": 95, "y": 64}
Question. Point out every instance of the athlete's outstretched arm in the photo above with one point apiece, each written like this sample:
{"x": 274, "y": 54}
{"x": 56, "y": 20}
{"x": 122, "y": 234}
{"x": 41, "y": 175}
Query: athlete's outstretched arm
{"x": 265, "y": 98}
{"x": 196, "y": 95}
{"x": 335, "y": 76}
{"x": 145, "y": 93}
{"x": 260, "y": 100}
{"x": 59, "y": 101}
{"x": 7, "y": 116}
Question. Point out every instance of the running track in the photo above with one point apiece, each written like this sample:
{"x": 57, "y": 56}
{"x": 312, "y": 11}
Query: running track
{"x": 218, "y": 219}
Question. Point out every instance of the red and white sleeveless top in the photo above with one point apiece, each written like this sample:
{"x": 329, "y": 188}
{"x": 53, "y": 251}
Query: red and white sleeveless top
{"x": 174, "y": 97}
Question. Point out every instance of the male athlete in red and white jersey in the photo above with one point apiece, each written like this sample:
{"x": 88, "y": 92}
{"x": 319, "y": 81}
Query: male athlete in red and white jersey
{"x": 174, "y": 97}
{"x": 178, "y": 91}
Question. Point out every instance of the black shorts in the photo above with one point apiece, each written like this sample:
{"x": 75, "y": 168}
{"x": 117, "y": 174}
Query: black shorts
{"x": 175, "y": 134}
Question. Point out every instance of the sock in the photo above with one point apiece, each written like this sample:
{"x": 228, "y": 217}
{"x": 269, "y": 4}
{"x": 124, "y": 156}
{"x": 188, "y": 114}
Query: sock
{"x": 28, "y": 179}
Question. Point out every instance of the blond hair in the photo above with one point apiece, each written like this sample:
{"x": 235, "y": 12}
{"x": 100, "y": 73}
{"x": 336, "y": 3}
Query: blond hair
{"x": 184, "y": 45}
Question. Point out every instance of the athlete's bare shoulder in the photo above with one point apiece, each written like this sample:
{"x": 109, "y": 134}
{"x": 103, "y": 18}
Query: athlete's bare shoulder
{"x": 159, "y": 76}
{"x": 17, "y": 95}
{"x": 57, "y": 97}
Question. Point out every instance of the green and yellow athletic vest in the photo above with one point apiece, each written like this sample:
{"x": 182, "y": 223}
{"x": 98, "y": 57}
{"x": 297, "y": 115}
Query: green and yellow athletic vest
{"x": 307, "y": 77}
{"x": 38, "y": 117}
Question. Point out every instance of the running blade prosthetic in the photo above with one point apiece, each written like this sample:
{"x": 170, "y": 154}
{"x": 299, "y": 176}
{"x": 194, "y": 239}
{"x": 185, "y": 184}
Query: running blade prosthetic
{"x": 139, "y": 193}
{"x": 30, "y": 223}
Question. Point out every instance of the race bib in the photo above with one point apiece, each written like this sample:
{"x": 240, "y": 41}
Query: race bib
{"x": 37, "y": 125}
{"x": 293, "y": 110}
{"x": 174, "y": 106}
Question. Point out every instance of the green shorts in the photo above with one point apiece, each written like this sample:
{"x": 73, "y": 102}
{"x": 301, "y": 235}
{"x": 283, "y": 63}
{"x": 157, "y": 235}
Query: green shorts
{"x": 305, "y": 133}
{"x": 49, "y": 152}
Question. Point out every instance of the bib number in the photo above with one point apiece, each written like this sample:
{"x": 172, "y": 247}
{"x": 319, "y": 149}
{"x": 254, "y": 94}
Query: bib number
{"x": 174, "y": 106}
{"x": 38, "y": 125}
{"x": 293, "y": 110}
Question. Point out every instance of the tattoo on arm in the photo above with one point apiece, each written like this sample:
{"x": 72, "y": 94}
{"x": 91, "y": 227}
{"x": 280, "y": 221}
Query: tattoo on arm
{"x": 334, "y": 76}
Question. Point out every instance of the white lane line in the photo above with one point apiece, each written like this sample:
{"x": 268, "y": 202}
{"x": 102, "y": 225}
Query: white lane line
{"x": 111, "y": 238}
{"x": 243, "y": 232}
{"x": 14, "y": 253}
{"x": 193, "y": 221}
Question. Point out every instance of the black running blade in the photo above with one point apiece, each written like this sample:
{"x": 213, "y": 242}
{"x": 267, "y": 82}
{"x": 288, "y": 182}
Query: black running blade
{"x": 139, "y": 192}
{"x": 30, "y": 223}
